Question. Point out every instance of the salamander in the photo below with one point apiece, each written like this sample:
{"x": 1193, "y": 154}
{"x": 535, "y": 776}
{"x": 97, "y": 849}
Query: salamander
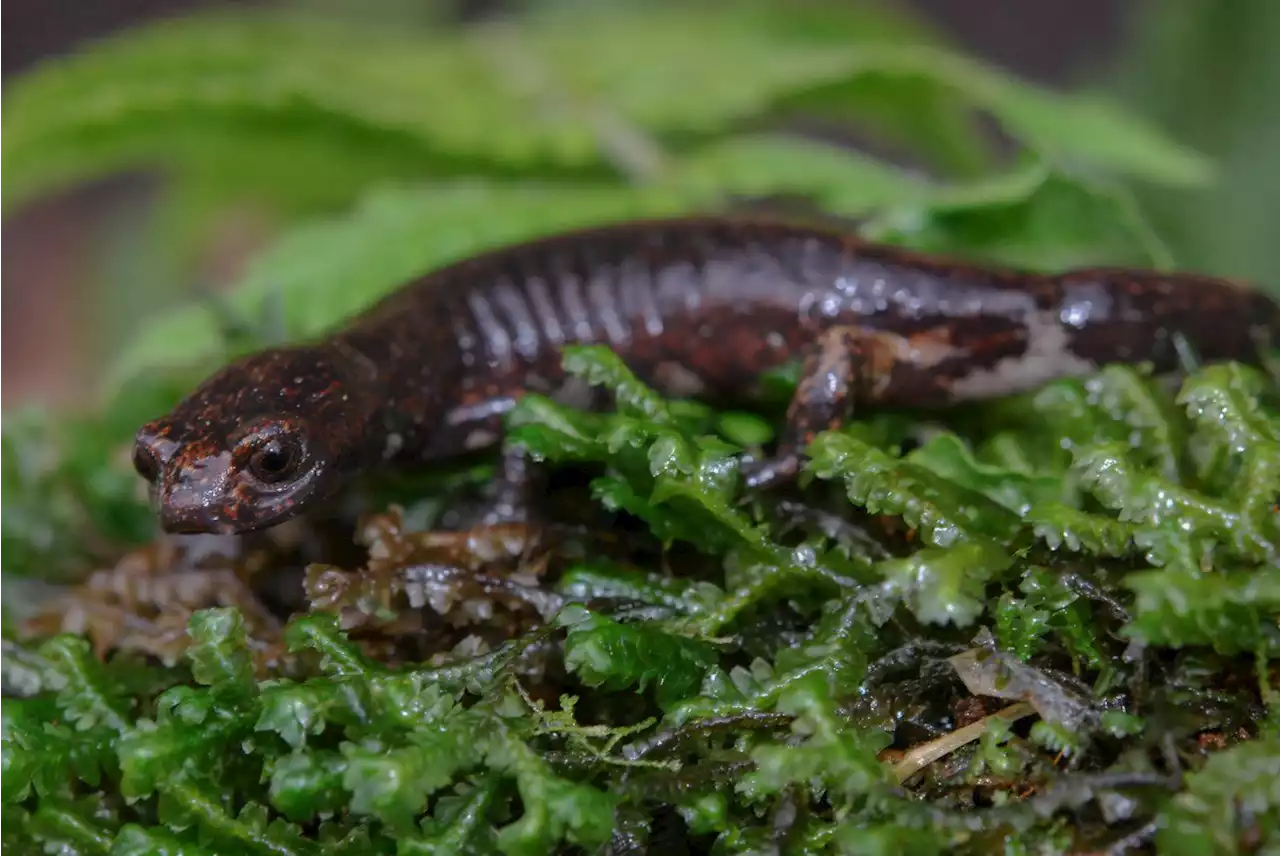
{"x": 696, "y": 307}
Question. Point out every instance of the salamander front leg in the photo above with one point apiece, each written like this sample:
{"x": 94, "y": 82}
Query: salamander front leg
{"x": 823, "y": 400}
{"x": 505, "y": 530}
{"x": 516, "y": 483}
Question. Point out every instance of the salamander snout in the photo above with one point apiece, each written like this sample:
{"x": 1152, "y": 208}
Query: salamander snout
{"x": 246, "y": 482}
{"x": 259, "y": 441}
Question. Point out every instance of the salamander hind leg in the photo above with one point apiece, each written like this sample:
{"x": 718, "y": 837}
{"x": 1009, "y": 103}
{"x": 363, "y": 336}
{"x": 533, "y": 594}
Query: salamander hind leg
{"x": 823, "y": 400}
{"x": 851, "y": 366}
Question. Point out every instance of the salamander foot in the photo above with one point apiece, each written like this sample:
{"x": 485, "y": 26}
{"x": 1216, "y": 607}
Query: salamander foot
{"x": 516, "y": 484}
{"x": 823, "y": 400}
{"x": 768, "y": 473}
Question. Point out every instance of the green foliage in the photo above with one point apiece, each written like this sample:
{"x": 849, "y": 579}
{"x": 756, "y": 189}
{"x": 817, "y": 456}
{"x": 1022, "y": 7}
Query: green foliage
{"x": 1205, "y": 71}
{"x": 841, "y": 762}
{"x": 604, "y": 653}
{"x": 219, "y": 652}
{"x": 401, "y": 747}
{"x": 266, "y": 91}
{"x": 452, "y": 755}
{"x": 1121, "y": 541}
{"x": 1234, "y": 797}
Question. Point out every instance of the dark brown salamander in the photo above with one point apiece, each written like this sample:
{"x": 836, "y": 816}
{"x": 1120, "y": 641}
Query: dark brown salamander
{"x": 698, "y": 308}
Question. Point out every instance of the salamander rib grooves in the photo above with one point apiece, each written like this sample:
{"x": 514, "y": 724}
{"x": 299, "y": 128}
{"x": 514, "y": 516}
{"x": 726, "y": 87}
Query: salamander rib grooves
{"x": 494, "y": 337}
{"x": 520, "y": 320}
{"x": 544, "y": 309}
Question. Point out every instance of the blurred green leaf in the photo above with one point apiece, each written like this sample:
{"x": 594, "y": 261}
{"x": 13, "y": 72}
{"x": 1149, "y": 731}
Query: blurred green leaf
{"x": 1233, "y": 798}
{"x": 217, "y": 93}
{"x": 1206, "y": 72}
{"x": 1036, "y": 217}
{"x": 233, "y": 88}
{"x": 72, "y": 497}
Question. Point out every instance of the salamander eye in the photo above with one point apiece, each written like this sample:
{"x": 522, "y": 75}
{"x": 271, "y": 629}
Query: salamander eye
{"x": 275, "y": 460}
{"x": 146, "y": 462}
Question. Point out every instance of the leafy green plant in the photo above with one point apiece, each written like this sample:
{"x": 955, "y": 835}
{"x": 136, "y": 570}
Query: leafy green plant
{"x": 1100, "y": 556}
{"x": 1204, "y": 72}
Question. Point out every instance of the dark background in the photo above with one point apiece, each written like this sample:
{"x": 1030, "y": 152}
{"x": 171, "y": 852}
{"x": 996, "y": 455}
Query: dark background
{"x": 51, "y": 244}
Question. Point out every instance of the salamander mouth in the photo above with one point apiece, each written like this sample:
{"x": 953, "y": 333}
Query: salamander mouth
{"x": 178, "y": 521}
{"x": 186, "y": 524}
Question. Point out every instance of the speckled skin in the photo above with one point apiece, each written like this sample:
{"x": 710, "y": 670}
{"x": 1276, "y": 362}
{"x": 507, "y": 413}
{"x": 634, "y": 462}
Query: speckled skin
{"x": 698, "y": 308}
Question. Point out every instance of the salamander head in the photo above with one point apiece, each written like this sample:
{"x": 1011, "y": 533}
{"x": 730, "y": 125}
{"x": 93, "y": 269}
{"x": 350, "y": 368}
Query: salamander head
{"x": 257, "y": 442}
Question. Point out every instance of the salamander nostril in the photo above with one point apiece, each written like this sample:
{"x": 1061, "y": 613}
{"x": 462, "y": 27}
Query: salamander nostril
{"x": 146, "y": 462}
